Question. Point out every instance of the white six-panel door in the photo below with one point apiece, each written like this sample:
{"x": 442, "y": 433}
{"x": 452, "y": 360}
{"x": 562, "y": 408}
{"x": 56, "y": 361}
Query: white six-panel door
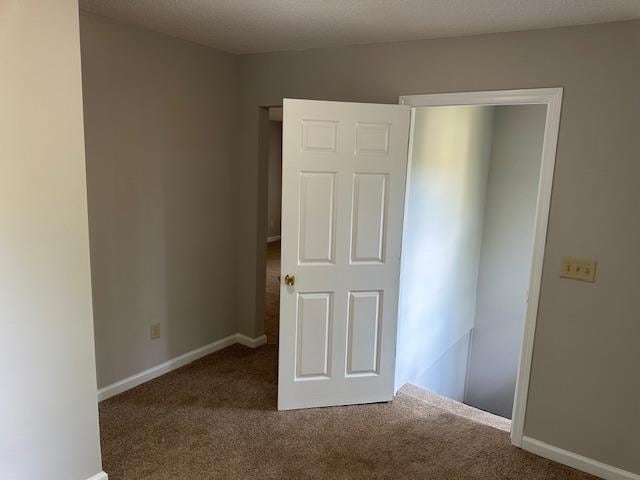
{"x": 344, "y": 169}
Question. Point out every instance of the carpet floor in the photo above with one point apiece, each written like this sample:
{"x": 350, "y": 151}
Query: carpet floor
{"x": 216, "y": 419}
{"x": 272, "y": 293}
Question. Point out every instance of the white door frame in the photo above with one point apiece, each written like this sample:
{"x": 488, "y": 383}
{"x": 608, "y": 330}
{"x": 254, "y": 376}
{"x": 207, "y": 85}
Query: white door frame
{"x": 552, "y": 98}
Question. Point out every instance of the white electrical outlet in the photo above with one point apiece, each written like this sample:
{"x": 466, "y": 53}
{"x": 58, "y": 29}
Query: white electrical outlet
{"x": 154, "y": 330}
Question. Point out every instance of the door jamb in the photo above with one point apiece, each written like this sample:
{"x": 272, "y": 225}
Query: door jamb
{"x": 552, "y": 98}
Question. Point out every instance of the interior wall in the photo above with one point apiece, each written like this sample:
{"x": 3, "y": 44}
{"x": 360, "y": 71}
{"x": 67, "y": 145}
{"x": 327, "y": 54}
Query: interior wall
{"x": 586, "y": 333}
{"x": 445, "y": 201}
{"x": 275, "y": 177}
{"x": 48, "y": 412}
{"x": 505, "y": 257}
{"x": 159, "y": 123}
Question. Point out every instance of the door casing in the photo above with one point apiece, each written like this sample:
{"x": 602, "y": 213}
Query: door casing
{"x": 552, "y": 98}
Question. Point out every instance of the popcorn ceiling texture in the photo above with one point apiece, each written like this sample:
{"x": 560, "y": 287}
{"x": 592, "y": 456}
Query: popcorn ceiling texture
{"x": 253, "y": 26}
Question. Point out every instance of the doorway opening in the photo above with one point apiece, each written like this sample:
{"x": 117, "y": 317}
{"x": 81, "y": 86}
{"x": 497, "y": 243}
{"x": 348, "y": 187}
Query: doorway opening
{"x": 472, "y": 262}
{"x": 479, "y": 351}
{"x": 274, "y": 208}
{"x": 469, "y": 224}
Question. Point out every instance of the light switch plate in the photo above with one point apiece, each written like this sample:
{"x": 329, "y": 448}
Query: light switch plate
{"x": 578, "y": 269}
{"x": 154, "y": 330}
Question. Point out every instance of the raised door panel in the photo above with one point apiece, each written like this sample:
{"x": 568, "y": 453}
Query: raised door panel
{"x": 313, "y": 335}
{"x": 319, "y": 136}
{"x": 363, "y": 333}
{"x": 317, "y": 218}
{"x": 372, "y": 138}
{"x": 369, "y": 207}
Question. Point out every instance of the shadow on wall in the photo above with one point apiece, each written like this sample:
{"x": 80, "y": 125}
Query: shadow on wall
{"x": 159, "y": 183}
{"x": 441, "y": 245}
{"x": 505, "y": 258}
{"x": 467, "y": 250}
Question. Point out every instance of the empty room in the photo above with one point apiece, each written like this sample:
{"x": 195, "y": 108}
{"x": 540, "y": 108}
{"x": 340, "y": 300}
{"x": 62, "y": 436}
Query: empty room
{"x": 359, "y": 239}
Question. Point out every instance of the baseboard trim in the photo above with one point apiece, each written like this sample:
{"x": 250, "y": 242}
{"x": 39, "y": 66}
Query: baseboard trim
{"x": 166, "y": 367}
{"x": 576, "y": 461}
{"x": 251, "y": 342}
{"x": 99, "y": 476}
{"x": 273, "y": 238}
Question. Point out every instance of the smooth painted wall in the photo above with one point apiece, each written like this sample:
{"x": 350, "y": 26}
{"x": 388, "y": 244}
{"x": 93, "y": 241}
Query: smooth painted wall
{"x": 275, "y": 177}
{"x": 505, "y": 257}
{"x": 445, "y": 202}
{"x": 583, "y": 396}
{"x": 159, "y": 123}
{"x": 48, "y": 411}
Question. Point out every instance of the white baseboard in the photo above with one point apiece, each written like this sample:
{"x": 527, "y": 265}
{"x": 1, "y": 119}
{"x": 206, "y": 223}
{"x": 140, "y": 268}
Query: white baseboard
{"x": 273, "y": 238}
{"x": 177, "y": 362}
{"x": 99, "y": 476}
{"x": 251, "y": 342}
{"x": 576, "y": 461}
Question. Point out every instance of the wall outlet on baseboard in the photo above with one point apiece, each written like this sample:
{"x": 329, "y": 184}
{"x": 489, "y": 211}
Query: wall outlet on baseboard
{"x": 154, "y": 330}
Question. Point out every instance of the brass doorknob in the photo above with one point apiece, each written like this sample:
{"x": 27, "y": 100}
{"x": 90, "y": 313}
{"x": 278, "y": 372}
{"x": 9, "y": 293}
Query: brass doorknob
{"x": 289, "y": 279}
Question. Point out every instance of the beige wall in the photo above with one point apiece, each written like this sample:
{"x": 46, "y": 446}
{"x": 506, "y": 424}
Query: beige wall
{"x": 275, "y": 178}
{"x": 584, "y": 394}
{"x": 159, "y": 118}
{"x": 175, "y": 187}
{"x": 48, "y": 413}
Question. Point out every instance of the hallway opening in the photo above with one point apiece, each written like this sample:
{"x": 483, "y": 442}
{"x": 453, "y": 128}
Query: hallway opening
{"x": 469, "y": 230}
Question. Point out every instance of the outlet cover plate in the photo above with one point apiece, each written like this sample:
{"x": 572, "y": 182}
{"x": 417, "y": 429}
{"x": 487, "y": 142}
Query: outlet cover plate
{"x": 580, "y": 269}
{"x": 154, "y": 330}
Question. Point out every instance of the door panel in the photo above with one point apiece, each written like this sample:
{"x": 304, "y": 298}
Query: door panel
{"x": 317, "y": 217}
{"x": 372, "y": 138}
{"x": 363, "y": 341}
{"x": 344, "y": 168}
{"x": 313, "y": 333}
{"x": 369, "y": 208}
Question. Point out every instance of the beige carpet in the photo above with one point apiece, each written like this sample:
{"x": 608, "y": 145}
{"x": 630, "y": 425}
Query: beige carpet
{"x": 457, "y": 408}
{"x": 217, "y": 419}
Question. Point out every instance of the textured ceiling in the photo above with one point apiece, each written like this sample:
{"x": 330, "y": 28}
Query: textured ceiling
{"x": 251, "y": 26}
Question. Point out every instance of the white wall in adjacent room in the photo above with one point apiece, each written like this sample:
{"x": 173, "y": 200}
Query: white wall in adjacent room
{"x": 505, "y": 258}
{"x": 441, "y": 246}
